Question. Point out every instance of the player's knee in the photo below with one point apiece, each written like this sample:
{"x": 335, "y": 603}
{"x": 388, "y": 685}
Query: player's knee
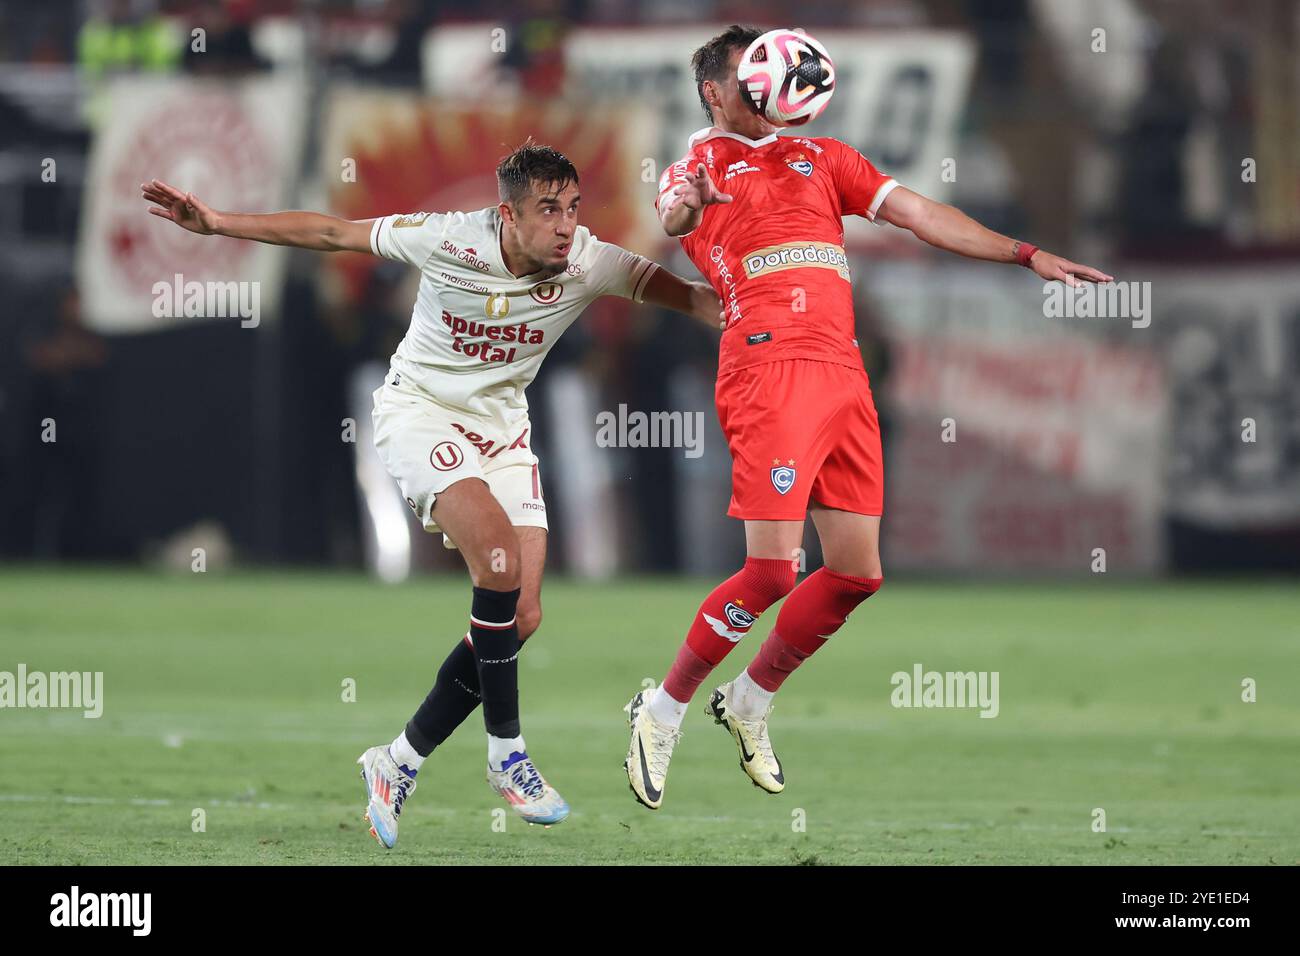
{"x": 871, "y": 570}
{"x": 498, "y": 568}
{"x": 852, "y": 589}
{"x": 504, "y": 580}
{"x": 773, "y": 578}
{"x": 864, "y": 564}
{"x": 528, "y": 619}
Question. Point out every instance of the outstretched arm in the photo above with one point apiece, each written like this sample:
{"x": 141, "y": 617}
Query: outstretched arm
{"x": 947, "y": 227}
{"x": 306, "y": 230}
{"x": 695, "y": 299}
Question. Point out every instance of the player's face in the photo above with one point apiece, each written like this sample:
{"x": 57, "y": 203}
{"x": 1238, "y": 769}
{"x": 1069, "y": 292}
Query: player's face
{"x": 545, "y": 221}
{"x": 730, "y": 112}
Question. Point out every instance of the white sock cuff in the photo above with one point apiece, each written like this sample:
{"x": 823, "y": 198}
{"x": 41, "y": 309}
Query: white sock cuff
{"x": 667, "y": 709}
{"x": 403, "y": 754}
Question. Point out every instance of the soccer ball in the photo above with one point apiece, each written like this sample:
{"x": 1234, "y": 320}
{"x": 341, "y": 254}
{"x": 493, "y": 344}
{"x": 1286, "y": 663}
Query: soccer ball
{"x": 786, "y": 77}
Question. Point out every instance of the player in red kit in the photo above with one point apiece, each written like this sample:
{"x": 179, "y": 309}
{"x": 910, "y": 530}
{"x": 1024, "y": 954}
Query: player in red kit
{"x": 761, "y": 216}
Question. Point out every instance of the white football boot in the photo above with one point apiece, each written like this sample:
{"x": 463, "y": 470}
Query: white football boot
{"x": 649, "y": 750}
{"x": 387, "y": 788}
{"x": 527, "y": 791}
{"x": 756, "y": 756}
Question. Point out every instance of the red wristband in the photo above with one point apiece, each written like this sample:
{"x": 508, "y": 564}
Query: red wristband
{"x": 1024, "y": 253}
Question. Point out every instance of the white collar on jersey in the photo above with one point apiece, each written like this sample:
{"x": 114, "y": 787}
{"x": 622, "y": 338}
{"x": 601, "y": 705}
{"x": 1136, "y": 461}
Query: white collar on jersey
{"x": 709, "y": 132}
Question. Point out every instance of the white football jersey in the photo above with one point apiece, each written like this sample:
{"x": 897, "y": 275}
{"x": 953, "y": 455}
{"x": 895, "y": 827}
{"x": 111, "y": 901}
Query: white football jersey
{"x": 479, "y": 334}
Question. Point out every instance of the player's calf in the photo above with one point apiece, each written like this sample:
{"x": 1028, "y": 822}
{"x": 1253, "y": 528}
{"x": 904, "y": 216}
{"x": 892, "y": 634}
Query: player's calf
{"x": 722, "y": 621}
{"x": 815, "y": 610}
{"x": 528, "y": 618}
{"x": 455, "y": 695}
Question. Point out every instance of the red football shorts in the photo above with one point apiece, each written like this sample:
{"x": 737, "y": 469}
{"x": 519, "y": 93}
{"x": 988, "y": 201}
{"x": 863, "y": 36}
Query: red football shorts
{"x": 801, "y": 430}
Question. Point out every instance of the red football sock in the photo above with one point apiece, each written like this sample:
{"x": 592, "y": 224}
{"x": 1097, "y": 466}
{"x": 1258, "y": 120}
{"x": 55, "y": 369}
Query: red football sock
{"x": 816, "y": 609}
{"x": 724, "y": 618}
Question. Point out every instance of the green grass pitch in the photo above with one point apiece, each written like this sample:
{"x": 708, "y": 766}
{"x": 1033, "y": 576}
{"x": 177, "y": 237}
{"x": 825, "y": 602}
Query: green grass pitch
{"x": 224, "y": 693}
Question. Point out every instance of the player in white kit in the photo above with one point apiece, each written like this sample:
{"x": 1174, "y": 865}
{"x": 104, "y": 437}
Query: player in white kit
{"x": 498, "y": 287}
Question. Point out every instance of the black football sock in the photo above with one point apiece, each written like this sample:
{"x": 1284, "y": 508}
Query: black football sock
{"x": 496, "y": 646}
{"x": 453, "y": 698}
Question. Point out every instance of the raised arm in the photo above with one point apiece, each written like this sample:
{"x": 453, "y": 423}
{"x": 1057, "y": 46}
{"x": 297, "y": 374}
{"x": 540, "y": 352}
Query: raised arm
{"x": 695, "y": 299}
{"x": 306, "y": 230}
{"x": 947, "y": 227}
{"x": 682, "y": 208}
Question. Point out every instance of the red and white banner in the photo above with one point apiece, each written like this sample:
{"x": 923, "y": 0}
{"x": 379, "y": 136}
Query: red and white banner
{"x": 234, "y": 144}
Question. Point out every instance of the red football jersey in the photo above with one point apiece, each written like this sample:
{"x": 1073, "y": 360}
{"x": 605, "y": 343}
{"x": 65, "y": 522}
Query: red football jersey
{"x": 775, "y": 254}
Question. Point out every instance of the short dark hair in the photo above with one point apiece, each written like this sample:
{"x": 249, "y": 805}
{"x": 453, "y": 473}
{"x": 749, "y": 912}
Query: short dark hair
{"x": 710, "y": 61}
{"x": 533, "y": 165}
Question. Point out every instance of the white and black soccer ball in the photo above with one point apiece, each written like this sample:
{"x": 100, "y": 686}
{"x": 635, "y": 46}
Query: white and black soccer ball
{"x": 786, "y": 77}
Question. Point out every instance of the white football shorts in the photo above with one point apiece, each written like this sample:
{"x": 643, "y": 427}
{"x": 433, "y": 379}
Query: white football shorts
{"x": 428, "y": 447}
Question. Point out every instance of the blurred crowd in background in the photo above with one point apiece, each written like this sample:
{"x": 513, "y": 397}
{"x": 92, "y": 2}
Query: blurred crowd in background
{"x": 1172, "y": 150}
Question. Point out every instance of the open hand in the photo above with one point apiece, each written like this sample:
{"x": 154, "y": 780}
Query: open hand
{"x": 184, "y": 209}
{"x": 698, "y": 190}
{"x": 1048, "y": 266}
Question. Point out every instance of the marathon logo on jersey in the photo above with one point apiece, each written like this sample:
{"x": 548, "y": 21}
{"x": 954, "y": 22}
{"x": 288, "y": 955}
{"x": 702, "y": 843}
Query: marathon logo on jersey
{"x": 783, "y": 478}
{"x": 804, "y": 141}
{"x": 797, "y": 255}
{"x": 465, "y": 283}
{"x": 469, "y": 256}
{"x": 463, "y": 331}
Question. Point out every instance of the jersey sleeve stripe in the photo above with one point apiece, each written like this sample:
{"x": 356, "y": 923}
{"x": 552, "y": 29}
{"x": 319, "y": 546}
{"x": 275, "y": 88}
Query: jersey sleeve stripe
{"x": 639, "y": 288}
{"x": 374, "y": 235}
{"x": 887, "y": 187}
